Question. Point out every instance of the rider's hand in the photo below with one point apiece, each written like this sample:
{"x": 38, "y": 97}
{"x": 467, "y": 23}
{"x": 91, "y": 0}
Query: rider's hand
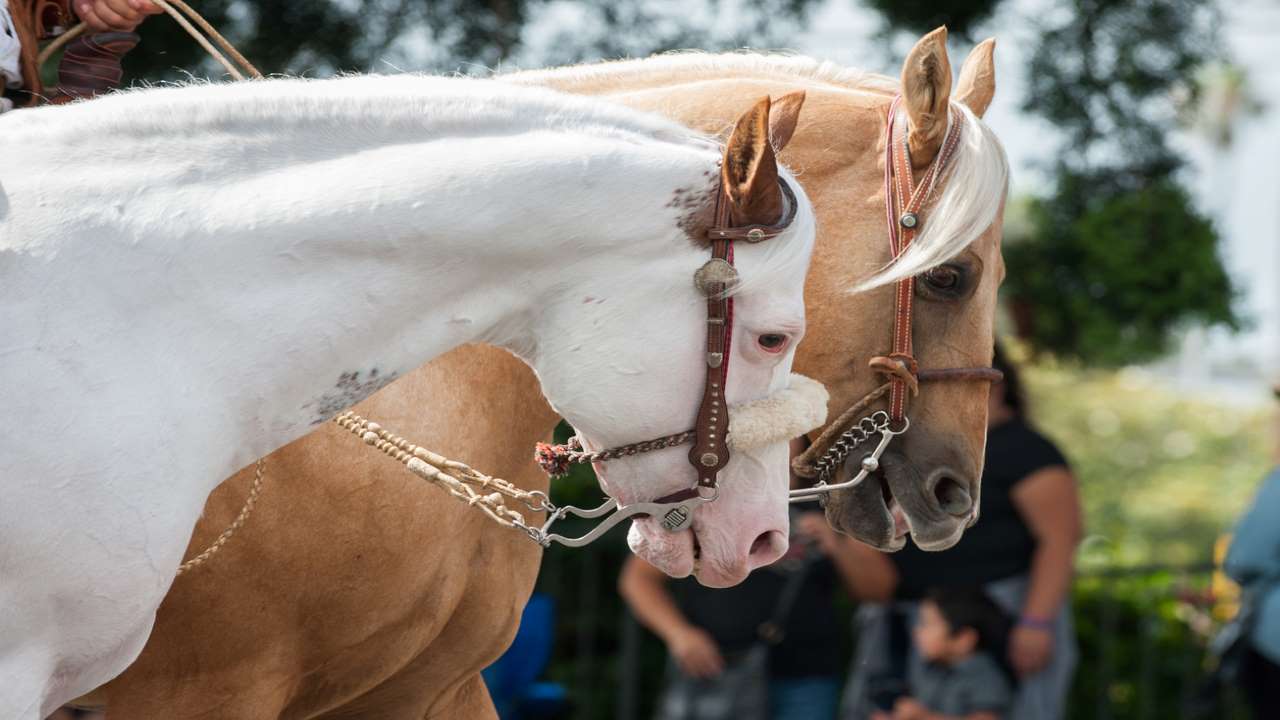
{"x": 696, "y": 652}
{"x": 119, "y": 15}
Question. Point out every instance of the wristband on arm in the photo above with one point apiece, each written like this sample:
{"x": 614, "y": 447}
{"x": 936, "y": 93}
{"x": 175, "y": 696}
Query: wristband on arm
{"x": 1035, "y": 623}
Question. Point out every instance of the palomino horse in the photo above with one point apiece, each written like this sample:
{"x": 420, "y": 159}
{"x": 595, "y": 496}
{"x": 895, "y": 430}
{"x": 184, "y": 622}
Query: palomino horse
{"x": 201, "y": 275}
{"x": 333, "y": 601}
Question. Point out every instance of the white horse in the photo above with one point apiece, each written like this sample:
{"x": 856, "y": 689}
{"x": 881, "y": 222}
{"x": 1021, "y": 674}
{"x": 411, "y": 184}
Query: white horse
{"x": 193, "y": 277}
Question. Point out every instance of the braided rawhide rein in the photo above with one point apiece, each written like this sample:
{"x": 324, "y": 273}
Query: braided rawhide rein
{"x": 555, "y": 460}
{"x": 458, "y": 479}
{"x": 225, "y": 535}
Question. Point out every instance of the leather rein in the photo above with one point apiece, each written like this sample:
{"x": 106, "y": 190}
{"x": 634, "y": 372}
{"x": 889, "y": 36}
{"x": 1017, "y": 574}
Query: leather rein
{"x": 904, "y": 199}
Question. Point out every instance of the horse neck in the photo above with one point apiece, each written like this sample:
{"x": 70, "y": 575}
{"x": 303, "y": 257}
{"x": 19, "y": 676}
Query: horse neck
{"x": 300, "y": 287}
{"x": 831, "y": 172}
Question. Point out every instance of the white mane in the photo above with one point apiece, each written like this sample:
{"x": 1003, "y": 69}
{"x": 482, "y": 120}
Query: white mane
{"x": 418, "y": 105}
{"x": 414, "y": 106}
{"x": 973, "y": 193}
{"x": 973, "y": 190}
{"x": 680, "y": 65}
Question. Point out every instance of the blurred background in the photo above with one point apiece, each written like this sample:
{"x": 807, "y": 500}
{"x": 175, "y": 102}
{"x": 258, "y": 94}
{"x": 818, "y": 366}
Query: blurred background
{"x": 1142, "y": 244}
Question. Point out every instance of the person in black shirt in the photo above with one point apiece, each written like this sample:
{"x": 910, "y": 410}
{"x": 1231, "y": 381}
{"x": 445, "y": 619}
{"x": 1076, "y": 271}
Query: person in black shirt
{"x": 1022, "y": 550}
{"x": 726, "y": 663}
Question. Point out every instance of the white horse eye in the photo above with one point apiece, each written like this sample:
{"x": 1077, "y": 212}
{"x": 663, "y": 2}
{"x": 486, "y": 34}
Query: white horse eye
{"x": 772, "y": 342}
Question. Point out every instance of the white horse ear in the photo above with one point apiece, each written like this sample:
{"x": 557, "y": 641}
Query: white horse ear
{"x": 783, "y": 116}
{"x": 977, "y": 83}
{"x": 926, "y": 92}
{"x": 750, "y": 169}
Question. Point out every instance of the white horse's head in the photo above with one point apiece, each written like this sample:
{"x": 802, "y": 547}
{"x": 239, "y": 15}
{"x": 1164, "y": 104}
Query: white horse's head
{"x": 626, "y": 361}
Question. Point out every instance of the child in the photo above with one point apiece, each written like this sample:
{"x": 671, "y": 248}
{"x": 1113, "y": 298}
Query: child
{"x": 960, "y": 634}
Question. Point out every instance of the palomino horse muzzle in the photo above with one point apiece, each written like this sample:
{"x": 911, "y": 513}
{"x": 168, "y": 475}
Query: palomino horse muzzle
{"x": 904, "y": 198}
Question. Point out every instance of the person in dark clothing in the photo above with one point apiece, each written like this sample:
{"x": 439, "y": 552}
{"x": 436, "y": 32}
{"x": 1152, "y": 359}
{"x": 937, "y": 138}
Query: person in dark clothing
{"x": 1021, "y": 550}
{"x": 743, "y": 652}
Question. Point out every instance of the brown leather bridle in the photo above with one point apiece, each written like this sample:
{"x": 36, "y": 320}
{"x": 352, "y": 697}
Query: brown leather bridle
{"x": 710, "y": 452}
{"x": 904, "y": 198}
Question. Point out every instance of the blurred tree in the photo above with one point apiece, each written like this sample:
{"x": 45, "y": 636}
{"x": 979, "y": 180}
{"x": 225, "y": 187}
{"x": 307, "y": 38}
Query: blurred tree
{"x": 1117, "y": 258}
{"x": 321, "y": 37}
{"x": 609, "y": 29}
{"x": 920, "y": 16}
{"x": 1217, "y": 98}
{"x": 1108, "y": 273}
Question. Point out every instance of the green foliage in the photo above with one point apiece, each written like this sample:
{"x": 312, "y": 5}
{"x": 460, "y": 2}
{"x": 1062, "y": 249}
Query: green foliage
{"x": 1161, "y": 475}
{"x": 1110, "y": 278}
{"x": 1104, "y": 75}
{"x": 276, "y": 35}
{"x": 1142, "y": 639}
{"x": 322, "y": 37}
{"x": 611, "y": 29}
{"x": 1117, "y": 258}
{"x": 921, "y": 16}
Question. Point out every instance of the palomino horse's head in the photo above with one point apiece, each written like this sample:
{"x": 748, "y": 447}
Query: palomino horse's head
{"x": 928, "y": 481}
{"x": 627, "y": 361}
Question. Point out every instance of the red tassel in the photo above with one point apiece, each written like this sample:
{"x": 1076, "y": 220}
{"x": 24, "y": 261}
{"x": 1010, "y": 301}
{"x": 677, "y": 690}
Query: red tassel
{"x": 553, "y": 459}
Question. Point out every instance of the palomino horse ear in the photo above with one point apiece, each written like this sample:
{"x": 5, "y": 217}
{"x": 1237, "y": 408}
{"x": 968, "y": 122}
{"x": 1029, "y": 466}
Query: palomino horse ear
{"x": 977, "y": 83}
{"x": 926, "y": 91}
{"x": 750, "y": 170}
{"x": 783, "y": 116}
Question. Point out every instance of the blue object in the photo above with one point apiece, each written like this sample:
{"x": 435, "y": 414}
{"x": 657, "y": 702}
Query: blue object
{"x": 512, "y": 678}
{"x": 1253, "y": 561}
{"x": 803, "y": 698}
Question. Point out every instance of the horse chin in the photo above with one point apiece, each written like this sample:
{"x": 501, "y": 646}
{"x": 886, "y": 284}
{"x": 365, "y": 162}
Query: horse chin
{"x": 867, "y": 513}
{"x": 889, "y": 505}
{"x": 675, "y": 554}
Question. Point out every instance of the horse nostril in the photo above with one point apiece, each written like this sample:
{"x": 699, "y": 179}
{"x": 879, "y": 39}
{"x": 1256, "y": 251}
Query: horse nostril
{"x": 952, "y": 496}
{"x": 768, "y": 546}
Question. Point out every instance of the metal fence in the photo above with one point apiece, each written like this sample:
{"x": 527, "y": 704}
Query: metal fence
{"x": 1142, "y": 633}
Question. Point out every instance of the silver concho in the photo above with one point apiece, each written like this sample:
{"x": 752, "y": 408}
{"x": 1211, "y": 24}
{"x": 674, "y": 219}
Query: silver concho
{"x": 715, "y": 276}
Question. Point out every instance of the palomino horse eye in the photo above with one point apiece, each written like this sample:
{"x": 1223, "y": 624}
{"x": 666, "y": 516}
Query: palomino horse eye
{"x": 772, "y": 342}
{"x": 946, "y": 282}
{"x": 943, "y": 278}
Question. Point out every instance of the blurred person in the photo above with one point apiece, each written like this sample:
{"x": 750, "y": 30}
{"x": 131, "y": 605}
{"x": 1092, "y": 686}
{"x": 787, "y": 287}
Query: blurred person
{"x": 761, "y": 649}
{"x": 960, "y": 634}
{"x": 1253, "y": 562}
{"x": 1021, "y": 550}
{"x": 19, "y": 76}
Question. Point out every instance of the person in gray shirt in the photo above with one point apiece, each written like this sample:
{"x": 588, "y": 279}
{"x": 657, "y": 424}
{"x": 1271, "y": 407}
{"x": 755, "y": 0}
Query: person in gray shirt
{"x": 958, "y": 635}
